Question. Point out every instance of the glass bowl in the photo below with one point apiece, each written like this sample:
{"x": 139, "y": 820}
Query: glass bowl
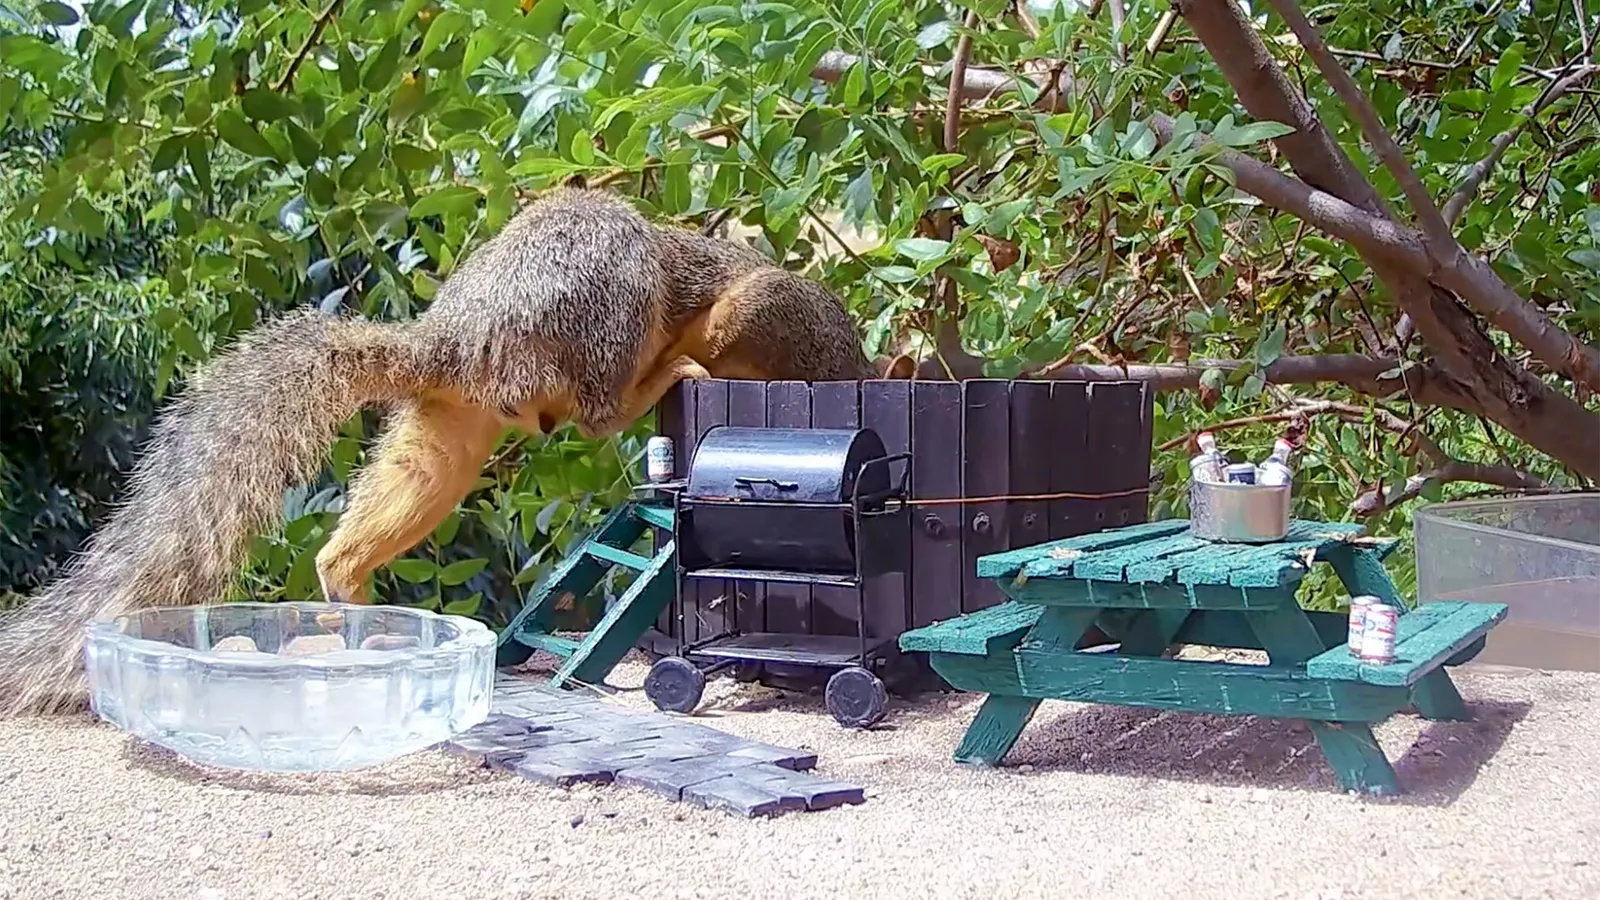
{"x": 290, "y": 687}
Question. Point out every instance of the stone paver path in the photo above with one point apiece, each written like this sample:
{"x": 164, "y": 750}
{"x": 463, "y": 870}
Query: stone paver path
{"x": 562, "y": 738}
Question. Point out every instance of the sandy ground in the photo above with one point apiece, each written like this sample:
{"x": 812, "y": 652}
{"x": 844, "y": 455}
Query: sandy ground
{"x": 1095, "y": 801}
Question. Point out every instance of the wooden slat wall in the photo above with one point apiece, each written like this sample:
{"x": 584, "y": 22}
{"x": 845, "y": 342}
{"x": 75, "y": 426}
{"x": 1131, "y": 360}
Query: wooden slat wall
{"x": 984, "y": 437}
{"x": 835, "y": 404}
{"x": 789, "y": 605}
{"x": 747, "y": 405}
{"x": 886, "y": 409}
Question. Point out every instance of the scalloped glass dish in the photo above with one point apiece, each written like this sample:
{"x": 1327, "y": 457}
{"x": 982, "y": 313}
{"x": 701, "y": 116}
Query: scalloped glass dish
{"x": 291, "y": 687}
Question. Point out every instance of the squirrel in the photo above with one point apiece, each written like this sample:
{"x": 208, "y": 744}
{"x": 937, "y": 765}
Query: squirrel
{"x": 579, "y": 310}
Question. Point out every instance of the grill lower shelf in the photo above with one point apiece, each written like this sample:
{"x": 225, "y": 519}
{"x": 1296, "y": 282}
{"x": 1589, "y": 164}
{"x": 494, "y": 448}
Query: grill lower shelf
{"x": 732, "y": 574}
{"x": 800, "y": 649}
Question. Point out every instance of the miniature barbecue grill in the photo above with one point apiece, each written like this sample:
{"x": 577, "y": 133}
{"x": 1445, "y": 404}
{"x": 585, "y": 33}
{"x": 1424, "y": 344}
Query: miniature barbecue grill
{"x": 797, "y": 505}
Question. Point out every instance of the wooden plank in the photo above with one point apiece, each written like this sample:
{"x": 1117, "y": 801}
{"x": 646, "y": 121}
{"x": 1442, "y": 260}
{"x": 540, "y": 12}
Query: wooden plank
{"x": 789, "y": 605}
{"x": 1221, "y": 628}
{"x": 705, "y": 601}
{"x": 1348, "y": 743}
{"x": 1116, "y": 594}
{"x": 1011, "y": 562}
{"x": 981, "y": 633}
{"x": 617, "y": 557}
{"x": 986, "y": 459}
{"x": 834, "y": 404}
{"x": 573, "y": 578}
{"x": 747, "y": 406}
{"x": 1424, "y": 639}
{"x": 936, "y": 474}
{"x": 886, "y": 409}
{"x": 1207, "y": 687}
{"x": 623, "y": 625}
{"x": 1003, "y": 715}
{"x": 1177, "y": 685}
{"x": 1069, "y": 469}
{"x": 995, "y": 729}
{"x": 1031, "y": 452}
{"x": 1115, "y": 441}
{"x": 675, "y": 416}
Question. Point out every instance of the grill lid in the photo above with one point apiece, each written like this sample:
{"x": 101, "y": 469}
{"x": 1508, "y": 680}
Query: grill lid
{"x": 795, "y": 465}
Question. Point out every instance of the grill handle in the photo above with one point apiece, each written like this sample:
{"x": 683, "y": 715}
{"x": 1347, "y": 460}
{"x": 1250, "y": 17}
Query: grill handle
{"x": 749, "y": 482}
{"x": 898, "y": 492}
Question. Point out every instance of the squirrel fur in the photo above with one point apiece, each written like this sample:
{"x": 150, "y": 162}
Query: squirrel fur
{"x": 579, "y": 310}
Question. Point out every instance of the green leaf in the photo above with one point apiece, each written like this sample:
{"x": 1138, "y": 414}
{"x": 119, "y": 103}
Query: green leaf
{"x": 1393, "y": 47}
{"x": 1254, "y": 133}
{"x": 1213, "y": 379}
{"x": 1506, "y": 70}
{"x": 483, "y": 43}
{"x": 582, "y": 148}
{"x": 464, "y": 607}
{"x": 412, "y": 158}
{"x": 168, "y": 153}
{"x": 453, "y": 198}
{"x": 443, "y": 28}
{"x": 896, "y": 274}
{"x": 305, "y": 147}
{"x": 461, "y": 572}
{"x": 542, "y": 20}
{"x": 923, "y": 249}
{"x": 232, "y": 128}
{"x": 265, "y": 105}
{"x": 1270, "y": 346}
{"x": 465, "y": 118}
{"x": 188, "y": 341}
{"x": 940, "y": 162}
{"x": 380, "y": 67}
{"x": 58, "y": 13}
{"x": 855, "y": 83}
{"x": 1473, "y": 99}
{"x": 937, "y": 32}
{"x": 413, "y": 570}
{"x": 1588, "y": 258}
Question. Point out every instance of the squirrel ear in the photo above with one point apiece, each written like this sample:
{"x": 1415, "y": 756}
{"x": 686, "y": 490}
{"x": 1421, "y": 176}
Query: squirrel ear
{"x": 899, "y": 366}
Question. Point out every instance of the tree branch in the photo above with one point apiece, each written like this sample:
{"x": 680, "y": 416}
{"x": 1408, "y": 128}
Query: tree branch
{"x": 1468, "y": 188}
{"x": 1377, "y": 500}
{"x": 323, "y": 18}
{"x": 1440, "y": 240}
{"x": 1510, "y": 395}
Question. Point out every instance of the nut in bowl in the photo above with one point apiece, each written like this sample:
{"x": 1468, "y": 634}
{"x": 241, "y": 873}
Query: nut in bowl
{"x": 290, "y": 687}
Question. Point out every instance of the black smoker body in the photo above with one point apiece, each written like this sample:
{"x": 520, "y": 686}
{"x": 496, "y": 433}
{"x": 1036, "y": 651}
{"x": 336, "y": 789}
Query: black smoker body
{"x": 811, "y": 506}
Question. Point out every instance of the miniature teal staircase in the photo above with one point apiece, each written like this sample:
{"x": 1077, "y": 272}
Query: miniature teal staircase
{"x": 589, "y": 661}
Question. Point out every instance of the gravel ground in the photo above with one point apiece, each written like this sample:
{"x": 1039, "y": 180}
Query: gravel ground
{"x": 1095, "y": 801}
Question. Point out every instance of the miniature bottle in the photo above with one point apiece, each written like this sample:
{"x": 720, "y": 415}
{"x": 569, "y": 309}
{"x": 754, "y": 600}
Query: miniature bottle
{"x": 1275, "y": 468}
{"x": 1207, "y": 465}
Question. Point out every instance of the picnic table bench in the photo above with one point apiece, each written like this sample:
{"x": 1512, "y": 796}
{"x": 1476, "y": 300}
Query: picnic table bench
{"x": 1154, "y": 585}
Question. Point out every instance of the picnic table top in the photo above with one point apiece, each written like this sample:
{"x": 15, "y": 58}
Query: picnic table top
{"x": 1165, "y": 551}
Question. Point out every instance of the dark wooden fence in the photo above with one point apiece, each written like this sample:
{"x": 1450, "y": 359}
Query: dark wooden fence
{"x": 971, "y": 440}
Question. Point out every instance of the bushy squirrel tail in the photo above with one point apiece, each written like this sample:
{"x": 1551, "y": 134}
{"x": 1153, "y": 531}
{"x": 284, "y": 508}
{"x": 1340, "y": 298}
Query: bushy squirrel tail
{"x": 256, "y": 421}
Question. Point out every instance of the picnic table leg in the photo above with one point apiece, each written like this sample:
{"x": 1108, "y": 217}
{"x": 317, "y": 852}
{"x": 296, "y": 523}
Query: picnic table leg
{"x": 1002, "y": 717}
{"x": 1350, "y": 747}
{"x": 1362, "y": 571}
{"x": 1151, "y": 633}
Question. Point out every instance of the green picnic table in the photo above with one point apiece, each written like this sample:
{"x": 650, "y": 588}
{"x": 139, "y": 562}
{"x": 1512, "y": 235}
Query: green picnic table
{"x": 1152, "y": 586}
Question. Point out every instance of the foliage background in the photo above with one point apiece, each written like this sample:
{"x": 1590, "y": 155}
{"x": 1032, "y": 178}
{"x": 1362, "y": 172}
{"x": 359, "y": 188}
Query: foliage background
{"x": 171, "y": 172}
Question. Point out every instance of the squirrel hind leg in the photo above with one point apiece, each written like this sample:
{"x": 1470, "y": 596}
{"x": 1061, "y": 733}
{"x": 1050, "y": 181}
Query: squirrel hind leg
{"x": 426, "y": 463}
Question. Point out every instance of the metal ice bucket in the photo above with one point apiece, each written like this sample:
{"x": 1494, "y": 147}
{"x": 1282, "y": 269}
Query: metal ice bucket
{"x": 1238, "y": 513}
